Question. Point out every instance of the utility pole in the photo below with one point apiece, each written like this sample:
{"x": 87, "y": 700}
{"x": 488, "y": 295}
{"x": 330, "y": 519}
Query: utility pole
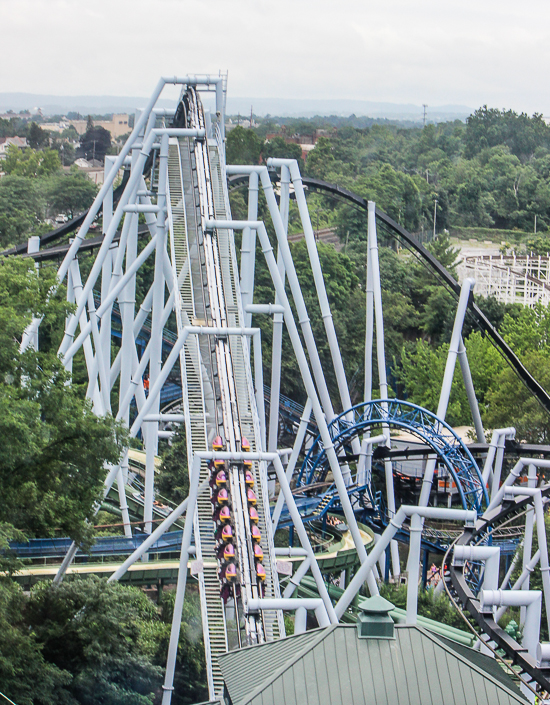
{"x": 250, "y": 116}
{"x": 425, "y": 106}
{"x": 435, "y": 215}
{"x": 535, "y": 231}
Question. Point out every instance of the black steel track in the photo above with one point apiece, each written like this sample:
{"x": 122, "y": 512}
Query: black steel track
{"x": 481, "y": 319}
{"x": 516, "y": 653}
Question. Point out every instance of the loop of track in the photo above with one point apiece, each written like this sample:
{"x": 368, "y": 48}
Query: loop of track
{"x": 450, "y": 449}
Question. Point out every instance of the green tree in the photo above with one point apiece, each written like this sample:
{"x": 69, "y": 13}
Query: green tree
{"x": 21, "y": 208}
{"x": 31, "y": 163}
{"x": 277, "y": 147}
{"x": 70, "y": 193}
{"x": 26, "y": 677}
{"x": 243, "y": 146}
{"x": 511, "y": 403}
{"x": 320, "y": 160}
{"x": 37, "y": 137}
{"x": 95, "y": 142}
{"x": 173, "y": 479}
{"x": 488, "y": 127}
{"x": 97, "y": 631}
{"x": 55, "y": 447}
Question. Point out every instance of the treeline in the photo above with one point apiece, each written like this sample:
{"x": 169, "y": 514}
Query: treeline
{"x": 492, "y": 171}
{"x": 35, "y": 189}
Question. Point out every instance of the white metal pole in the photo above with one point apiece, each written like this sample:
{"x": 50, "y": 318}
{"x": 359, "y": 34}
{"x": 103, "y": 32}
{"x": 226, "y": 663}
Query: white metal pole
{"x": 381, "y": 358}
{"x": 295, "y": 288}
{"x": 470, "y": 391}
{"x": 155, "y": 361}
{"x": 180, "y": 587}
{"x": 298, "y": 442}
{"x": 413, "y": 563}
{"x": 277, "y": 342}
{"x": 313, "y": 253}
{"x": 155, "y": 536}
{"x": 528, "y": 536}
{"x": 404, "y": 511}
{"x": 248, "y": 249}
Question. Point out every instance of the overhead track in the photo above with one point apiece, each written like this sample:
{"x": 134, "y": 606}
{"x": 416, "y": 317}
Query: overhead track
{"x": 481, "y": 319}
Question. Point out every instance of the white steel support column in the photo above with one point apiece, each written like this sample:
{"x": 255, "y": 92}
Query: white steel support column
{"x": 70, "y": 299}
{"x": 180, "y": 586}
{"x": 413, "y": 563}
{"x": 381, "y": 359}
{"x": 277, "y": 344}
{"x": 404, "y": 511}
{"x": 303, "y": 318}
{"x": 92, "y": 391}
{"x": 364, "y": 468}
{"x": 33, "y": 246}
{"x": 105, "y": 332}
{"x": 155, "y": 362}
{"x": 528, "y": 536}
{"x": 248, "y": 248}
{"x": 298, "y": 442}
{"x": 292, "y": 166}
{"x": 470, "y": 391}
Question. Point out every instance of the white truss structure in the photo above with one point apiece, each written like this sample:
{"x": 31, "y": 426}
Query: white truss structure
{"x": 510, "y": 279}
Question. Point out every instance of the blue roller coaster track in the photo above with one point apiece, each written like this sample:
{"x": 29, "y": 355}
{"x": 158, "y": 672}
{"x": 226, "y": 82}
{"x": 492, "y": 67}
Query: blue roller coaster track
{"x": 437, "y": 434}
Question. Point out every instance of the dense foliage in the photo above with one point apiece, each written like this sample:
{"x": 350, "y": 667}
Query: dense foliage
{"x": 35, "y": 189}
{"x": 85, "y": 642}
{"x": 89, "y": 642}
{"x": 490, "y": 172}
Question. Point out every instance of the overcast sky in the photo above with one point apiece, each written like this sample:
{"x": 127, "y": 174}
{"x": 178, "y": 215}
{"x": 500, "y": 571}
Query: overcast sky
{"x": 465, "y": 52}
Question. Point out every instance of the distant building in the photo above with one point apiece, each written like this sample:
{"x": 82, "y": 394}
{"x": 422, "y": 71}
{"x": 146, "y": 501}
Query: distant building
{"x": 118, "y": 126}
{"x": 56, "y": 126}
{"x": 93, "y": 169}
{"x": 5, "y": 142}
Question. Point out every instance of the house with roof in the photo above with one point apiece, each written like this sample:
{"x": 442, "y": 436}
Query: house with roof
{"x": 6, "y": 142}
{"x": 372, "y": 662}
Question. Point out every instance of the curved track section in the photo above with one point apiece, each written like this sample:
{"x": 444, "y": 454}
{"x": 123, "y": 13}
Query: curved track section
{"x": 418, "y": 421}
{"x": 481, "y": 319}
{"x": 463, "y": 591}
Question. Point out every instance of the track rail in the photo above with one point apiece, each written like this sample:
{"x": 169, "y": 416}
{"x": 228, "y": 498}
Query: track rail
{"x": 425, "y": 425}
{"x": 461, "y": 593}
{"x": 538, "y": 391}
{"x": 481, "y": 319}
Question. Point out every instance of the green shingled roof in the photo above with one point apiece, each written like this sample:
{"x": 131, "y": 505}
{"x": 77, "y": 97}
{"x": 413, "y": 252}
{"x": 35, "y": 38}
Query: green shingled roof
{"x": 333, "y": 666}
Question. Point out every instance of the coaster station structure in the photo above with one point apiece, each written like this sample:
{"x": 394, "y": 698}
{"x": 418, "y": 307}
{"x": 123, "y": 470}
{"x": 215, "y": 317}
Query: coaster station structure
{"x": 176, "y": 182}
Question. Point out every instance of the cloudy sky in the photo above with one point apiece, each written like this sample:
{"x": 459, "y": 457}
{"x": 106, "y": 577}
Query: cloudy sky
{"x": 465, "y": 52}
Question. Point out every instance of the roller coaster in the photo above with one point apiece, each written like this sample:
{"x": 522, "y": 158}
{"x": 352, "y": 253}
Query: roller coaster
{"x": 192, "y": 335}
